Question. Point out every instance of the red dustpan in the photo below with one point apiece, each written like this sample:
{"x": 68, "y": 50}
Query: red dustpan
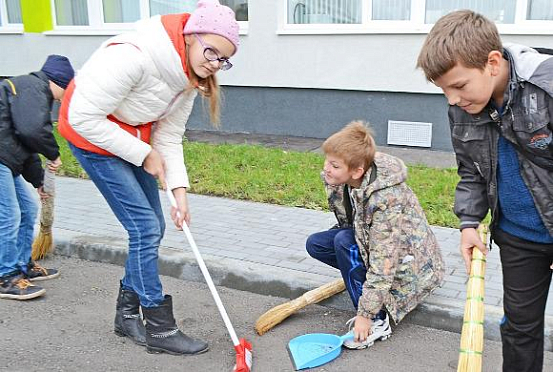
{"x": 243, "y": 348}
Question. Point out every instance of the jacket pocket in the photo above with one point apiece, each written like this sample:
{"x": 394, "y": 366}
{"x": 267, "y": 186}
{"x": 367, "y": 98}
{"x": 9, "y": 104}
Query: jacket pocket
{"x": 473, "y": 142}
{"x": 532, "y": 121}
{"x": 467, "y": 133}
{"x": 532, "y": 132}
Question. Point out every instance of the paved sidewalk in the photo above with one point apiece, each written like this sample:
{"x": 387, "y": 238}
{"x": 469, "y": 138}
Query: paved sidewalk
{"x": 259, "y": 248}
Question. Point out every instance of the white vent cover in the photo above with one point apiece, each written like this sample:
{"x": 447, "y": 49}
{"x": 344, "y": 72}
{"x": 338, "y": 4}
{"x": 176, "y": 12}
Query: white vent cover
{"x": 409, "y": 133}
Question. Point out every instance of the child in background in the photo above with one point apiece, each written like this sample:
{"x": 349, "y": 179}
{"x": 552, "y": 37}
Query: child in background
{"x": 25, "y": 132}
{"x": 383, "y": 246}
{"x": 500, "y": 114}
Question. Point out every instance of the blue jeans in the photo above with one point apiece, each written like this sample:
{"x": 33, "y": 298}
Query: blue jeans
{"x": 18, "y": 211}
{"x": 338, "y": 248}
{"x": 133, "y": 196}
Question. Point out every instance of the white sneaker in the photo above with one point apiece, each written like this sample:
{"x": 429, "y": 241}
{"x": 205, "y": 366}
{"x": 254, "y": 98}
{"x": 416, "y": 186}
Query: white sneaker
{"x": 380, "y": 330}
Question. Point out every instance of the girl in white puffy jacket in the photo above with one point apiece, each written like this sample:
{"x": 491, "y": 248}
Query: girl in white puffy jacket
{"x": 124, "y": 117}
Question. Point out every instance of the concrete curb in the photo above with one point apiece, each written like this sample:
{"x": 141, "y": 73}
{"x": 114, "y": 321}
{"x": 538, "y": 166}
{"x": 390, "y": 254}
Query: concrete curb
{"x": 438, "y": 313}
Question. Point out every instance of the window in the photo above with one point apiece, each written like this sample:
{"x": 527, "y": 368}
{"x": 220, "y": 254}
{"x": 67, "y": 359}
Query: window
{"x": 240, "y": 8}
{"x": 540, "y": 10}
{"x": 345, "y": 11}
{"x": 10, "y": 14}
{"x": 86, "y": 15}
{"x": 395, "y": 10}
{"x": 500, "y": 11}
{"x": 326, "y": 11}
{"x": 171, "y": 6}
{"x": 121, "y": 11}
{"x": 390, "y": 16}
{"x": 13, "y": 11}
{"x": 71, "y": 12}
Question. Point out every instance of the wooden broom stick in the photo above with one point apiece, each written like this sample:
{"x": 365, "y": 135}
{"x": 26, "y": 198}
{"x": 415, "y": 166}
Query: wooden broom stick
{"x": 277, "y": 314}
{"x": 43, "y": 243}
{"x": 472, "y": 334}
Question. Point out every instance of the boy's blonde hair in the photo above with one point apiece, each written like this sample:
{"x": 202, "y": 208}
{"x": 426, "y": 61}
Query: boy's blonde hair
{"x": 462, "y": 37}
{"x": 354, "y": 144}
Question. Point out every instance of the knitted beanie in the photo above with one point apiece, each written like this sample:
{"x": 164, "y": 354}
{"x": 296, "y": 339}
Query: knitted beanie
{"x": 213, "y": 18}
{"x": 58, "y": 69}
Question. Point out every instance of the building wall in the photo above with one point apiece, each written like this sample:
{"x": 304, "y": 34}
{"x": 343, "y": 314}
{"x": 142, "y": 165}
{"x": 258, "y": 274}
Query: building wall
{"x": 320, "y": 112}
{"x": 291, "y": 84}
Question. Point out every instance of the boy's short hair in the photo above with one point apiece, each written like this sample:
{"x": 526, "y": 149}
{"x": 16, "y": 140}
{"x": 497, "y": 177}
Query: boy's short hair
{"x": 354, "y": 144}
{"x": 462, "y": 37}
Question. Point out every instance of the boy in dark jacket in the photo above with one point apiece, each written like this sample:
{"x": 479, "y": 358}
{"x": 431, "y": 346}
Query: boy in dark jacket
{"x": 25, "y": 132}
{"x": 501, "y": 105}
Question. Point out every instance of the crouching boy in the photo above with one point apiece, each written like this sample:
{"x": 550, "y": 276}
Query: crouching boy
{"x": 388, "y": 255}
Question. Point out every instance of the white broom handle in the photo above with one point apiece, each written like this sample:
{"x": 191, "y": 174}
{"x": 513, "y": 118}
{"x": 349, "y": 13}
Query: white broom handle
{"x": 206, "y": 274}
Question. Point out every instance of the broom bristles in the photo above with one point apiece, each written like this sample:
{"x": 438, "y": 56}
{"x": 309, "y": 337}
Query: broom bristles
{"x": 472, "y": 334}
{"x": 42, "y": 245}
{"x": 277, "y": 314}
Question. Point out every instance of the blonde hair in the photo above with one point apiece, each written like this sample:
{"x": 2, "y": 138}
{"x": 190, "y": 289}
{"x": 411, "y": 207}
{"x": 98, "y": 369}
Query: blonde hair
{"x": 208, "y": 88}
{"x": 462, "y": 37}
{"x": 354, "y": 144}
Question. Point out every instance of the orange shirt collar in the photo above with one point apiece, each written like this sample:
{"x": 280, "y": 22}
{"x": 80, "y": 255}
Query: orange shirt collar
{"x": 174, "y": 25}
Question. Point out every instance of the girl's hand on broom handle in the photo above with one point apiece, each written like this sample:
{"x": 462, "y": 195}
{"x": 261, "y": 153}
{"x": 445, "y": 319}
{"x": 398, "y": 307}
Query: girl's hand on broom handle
{"x": 469, "y": 241}
{"x": 155, "y": 165}
{"x": 362, "y": 328}
{"x": 181, "y": 214}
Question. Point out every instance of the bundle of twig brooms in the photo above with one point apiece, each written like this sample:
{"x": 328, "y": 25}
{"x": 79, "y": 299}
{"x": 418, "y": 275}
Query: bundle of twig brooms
{"x": 43, "y": 243}
{"x": 472, "y": 334}
{"x": 277, "y": 314}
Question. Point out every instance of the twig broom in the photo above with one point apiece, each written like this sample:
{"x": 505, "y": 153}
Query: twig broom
{"x": 277, "y": 314}
{"x": 43, "y": 243}
{"x": 472, "y": 334}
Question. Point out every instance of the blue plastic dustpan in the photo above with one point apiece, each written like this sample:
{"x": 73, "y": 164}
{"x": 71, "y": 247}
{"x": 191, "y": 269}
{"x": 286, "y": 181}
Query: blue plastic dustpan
{"x": 315, "y": 349}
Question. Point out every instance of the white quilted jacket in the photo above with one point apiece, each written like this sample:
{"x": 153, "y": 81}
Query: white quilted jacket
{"x": 139, "y": 81}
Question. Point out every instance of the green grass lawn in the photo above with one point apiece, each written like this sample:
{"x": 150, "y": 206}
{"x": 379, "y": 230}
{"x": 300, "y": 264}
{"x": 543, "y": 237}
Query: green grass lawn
{"x": 285, "y": 177}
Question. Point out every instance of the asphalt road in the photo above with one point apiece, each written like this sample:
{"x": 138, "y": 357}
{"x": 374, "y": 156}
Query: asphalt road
{"x": 71, "y": 329}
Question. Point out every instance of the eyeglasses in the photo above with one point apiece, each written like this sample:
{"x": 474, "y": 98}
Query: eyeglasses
{"x": 211, "y": 55}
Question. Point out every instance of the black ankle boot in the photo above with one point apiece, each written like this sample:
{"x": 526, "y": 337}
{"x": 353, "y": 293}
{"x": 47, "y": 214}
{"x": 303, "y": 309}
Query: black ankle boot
{"x": 128, "y": 322}
{"x": 162, "y": 334}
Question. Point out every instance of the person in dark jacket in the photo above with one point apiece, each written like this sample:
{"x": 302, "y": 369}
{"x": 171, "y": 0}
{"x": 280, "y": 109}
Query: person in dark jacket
{"x": 501, "y": 106}
{"x": 25, "y": 132}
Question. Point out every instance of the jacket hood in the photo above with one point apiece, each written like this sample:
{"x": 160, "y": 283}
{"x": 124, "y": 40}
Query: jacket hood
{"x": 390, "y": 171}
{"x": 152, "y": 38}
{"x": 531, "y": 66}
{"x": 174, "y": 26}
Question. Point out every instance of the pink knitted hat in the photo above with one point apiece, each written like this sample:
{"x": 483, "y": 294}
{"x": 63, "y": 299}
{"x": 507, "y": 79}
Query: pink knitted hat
{"x": 213, "y": 18}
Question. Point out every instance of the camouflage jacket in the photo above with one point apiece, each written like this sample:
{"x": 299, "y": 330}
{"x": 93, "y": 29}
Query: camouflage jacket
{"x": 402, "y": 256}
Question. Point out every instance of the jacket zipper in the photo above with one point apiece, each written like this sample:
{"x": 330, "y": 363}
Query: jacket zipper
{"x": 169, "y": 107}
{"x": 478, "y": 168}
